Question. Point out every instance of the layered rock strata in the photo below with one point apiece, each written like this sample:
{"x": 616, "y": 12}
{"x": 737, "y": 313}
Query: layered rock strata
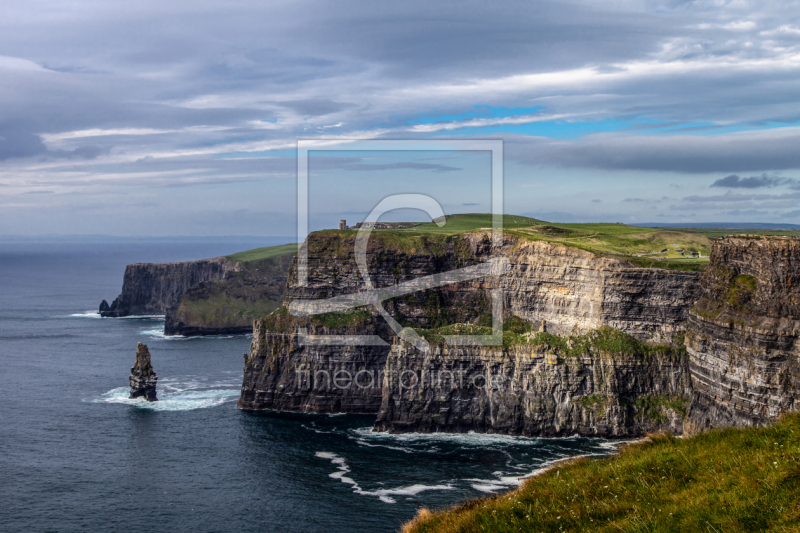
{"x": 530, "y": 390}
{"x": 573, "y": 291}
{"x": 143, "y": 379}
{"x": 152, "y": 288}
{"x": 742, "y": 335}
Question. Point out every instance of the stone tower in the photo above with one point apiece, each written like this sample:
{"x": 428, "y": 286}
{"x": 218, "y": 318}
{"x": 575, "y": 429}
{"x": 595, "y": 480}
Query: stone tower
{"x": 342, "y": 224}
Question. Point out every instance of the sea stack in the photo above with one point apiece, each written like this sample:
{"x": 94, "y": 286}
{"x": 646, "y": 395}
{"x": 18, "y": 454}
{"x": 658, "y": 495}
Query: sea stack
{"x": 143, "y": 379}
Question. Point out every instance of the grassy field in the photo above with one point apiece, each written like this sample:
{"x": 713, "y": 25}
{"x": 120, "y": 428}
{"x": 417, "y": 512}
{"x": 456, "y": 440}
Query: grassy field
{"x": 223, "y": 310}
{"x": 648, "y": 247}
{"x": 730, "y": 480}
{"x": 264, "y": 253}
{"x": 471, "y": 222}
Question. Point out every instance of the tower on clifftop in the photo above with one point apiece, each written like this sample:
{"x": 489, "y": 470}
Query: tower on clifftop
{"x": 343, "y": 224}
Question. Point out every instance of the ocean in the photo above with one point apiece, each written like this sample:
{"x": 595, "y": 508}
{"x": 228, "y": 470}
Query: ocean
{"x": 77, "y": 455}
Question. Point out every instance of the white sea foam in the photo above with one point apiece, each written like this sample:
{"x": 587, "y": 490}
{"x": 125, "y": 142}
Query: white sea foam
{"x": 159, "y": 333}
{"x": 173, "y": 400}
{"x": 398, "y": 448}
{"x": 96, "y": 314}
{"x": 87, "y": 314}
{"x": 488, "y": 487}
{"x": 464, "y": 439}
{"x": 384, "y": 495}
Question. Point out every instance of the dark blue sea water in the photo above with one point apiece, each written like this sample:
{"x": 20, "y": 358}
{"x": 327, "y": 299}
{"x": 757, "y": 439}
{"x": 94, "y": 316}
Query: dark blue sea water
{"x": 77, "y": 455}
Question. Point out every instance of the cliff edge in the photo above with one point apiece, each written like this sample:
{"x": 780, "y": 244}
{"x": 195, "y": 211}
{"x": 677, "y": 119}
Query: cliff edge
{"x": 152, "y": 288}
{"x": 742, "y": 335}
{"x": 221, "y": 295}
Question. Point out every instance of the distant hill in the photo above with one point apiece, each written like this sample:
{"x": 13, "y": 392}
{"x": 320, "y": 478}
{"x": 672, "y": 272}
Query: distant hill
{"x": 725, "y": 225}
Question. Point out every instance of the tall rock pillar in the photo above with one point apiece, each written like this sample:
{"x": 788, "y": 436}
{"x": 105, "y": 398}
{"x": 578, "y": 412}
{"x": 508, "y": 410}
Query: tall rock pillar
{"x": 143, "y": 379}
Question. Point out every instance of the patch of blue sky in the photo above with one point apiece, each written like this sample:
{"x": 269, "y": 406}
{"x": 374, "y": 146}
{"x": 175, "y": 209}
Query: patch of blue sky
{"x": 554, "y": 129}
{"x": 575, "y": 129}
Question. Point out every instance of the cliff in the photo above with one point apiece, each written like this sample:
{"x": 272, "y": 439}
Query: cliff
{"x": 537, "y": 389}
{"x": 283, "y": 374}
{"x": 743, "y": 332}
{"x": 221, "y": 295}
{"x": 250, "y": 290}
{"x": 152, "y": 288}
{"x": 573, "y": 291}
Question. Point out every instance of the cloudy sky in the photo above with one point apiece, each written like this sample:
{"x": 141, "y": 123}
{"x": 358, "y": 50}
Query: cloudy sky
{"x": 182, "y": 118}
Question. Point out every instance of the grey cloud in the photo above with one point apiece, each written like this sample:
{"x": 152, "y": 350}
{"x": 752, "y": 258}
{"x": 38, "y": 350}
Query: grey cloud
{"x": 676, "y": 153}
{"x": 792, "y": 214}
{"x": 235, "y": 65}
{"x": 19, "y": 144}
{"x": 597, "y": 201}
{"x": 316, "y": 107}
{"x": 81, "y": 152}
{"x": 15, "y": 142}
{"x": 634, "y": 200}
{"x": 738, "y": 197}
{"x": 467, "y": 205}
{"x": 754, "y": 182}
{"x": 745, "y": 213}
{"x": 359, "y": 165}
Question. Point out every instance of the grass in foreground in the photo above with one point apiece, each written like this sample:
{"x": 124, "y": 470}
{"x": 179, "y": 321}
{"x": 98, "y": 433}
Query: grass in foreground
{"x": 264, "y": 253}
{"x": 730, "y": 480}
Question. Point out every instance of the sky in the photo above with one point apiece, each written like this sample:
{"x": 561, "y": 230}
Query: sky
{"x": 182, "y": 118}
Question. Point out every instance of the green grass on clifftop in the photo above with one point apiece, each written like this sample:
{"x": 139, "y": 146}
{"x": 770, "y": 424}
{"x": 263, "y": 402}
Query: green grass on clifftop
{"x": 665, "y": 248}
{"x": 264, "y": 253}
{"x": 472, "y": 222}
{"x": 604, "y": 341}
{"x": 730, "y": 480}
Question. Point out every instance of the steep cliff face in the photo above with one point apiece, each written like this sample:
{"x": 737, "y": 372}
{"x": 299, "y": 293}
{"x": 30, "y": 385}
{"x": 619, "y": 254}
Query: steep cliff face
{"x": 152, "y": 288}
{"x": 281, "y": 373}
{"x": 743, "y": 334}
{"x": 532, "y": 390}
{"x": 248, "y": 291}
{"x": 576, "y": 291}
{"x": 572, "y": 291}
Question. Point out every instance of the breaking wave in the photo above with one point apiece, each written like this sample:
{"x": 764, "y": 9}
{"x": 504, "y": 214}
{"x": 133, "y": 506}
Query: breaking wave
{"x": 185, "y": 394}
{"x": 384, "y": 495}
{"x": 180, "y": 401}
{"x": 87, "y": 314}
